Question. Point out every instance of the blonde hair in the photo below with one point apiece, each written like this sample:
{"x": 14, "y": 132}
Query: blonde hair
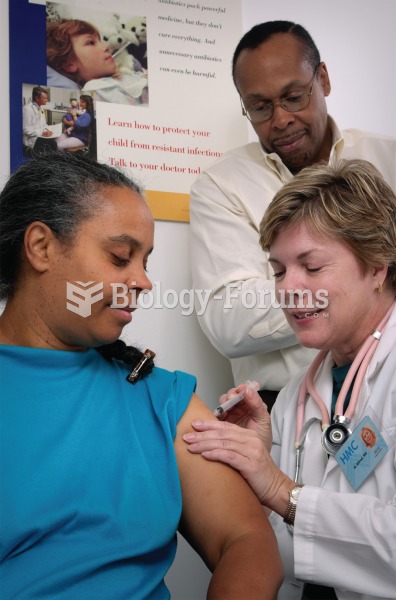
{"x": 372, "y": 442}
{"x": 347, "y": 200}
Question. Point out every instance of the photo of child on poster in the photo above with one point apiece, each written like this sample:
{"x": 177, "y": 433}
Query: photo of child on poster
{"x": 87, "y": 61}
{"x": 97, "y": 52}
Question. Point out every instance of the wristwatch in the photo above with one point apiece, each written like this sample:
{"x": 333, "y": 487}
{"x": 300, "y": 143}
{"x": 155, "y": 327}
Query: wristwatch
{"x": 292, "y": 506}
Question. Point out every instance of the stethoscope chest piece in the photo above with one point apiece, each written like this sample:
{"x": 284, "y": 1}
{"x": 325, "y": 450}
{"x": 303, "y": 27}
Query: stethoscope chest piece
{"x": 334, "y": 436}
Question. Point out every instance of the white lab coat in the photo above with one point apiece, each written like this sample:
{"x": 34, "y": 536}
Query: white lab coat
{"x": 34, "y": 123}
{"x": 342, "y": 538}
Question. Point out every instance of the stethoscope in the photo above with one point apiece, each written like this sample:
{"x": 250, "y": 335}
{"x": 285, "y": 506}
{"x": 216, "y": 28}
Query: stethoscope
{"x": 335, "y": 434}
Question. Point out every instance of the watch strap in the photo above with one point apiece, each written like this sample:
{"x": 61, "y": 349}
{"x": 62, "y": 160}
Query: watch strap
{"x": 292, "y": 506}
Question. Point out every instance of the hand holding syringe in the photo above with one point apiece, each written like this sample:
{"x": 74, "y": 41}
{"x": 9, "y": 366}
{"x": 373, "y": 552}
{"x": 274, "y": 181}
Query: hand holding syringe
{"x": 253, "y": 385}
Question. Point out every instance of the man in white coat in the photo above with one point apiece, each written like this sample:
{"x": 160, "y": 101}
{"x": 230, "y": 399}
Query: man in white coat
{"x": 35, "y": 127}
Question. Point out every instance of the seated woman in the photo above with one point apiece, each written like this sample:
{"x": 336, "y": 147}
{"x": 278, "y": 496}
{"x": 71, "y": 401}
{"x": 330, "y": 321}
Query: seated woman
{"x": 331, "y": 229}
{"x": 77, "y": 58}
{"x": 77, "y": 135}
{"x": 95, "y": 476}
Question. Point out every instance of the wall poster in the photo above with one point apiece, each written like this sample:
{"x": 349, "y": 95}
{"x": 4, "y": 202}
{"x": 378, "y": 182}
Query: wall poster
{"x": 154, "y": 74}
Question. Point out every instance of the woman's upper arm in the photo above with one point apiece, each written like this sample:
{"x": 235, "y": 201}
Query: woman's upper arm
{"x": 218, "y": 505}
{"x": 83, "y": 120}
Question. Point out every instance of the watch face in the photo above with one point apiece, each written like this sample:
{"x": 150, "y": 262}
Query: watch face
{"x": 295, "y": 493}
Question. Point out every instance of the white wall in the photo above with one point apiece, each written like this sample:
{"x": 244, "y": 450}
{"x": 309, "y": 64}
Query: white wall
{"x": 356, "y": 40}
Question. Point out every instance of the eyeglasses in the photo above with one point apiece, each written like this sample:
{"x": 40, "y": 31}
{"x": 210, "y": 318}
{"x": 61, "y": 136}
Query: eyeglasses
{"x": 263, "y": 111}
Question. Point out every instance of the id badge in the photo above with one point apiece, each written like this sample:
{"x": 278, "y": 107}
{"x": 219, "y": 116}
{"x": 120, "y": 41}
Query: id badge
{"x": 361, "y": 452}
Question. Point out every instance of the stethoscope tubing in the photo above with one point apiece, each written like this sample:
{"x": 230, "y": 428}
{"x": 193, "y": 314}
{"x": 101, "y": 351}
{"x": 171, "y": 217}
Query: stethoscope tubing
{"x": 359, "y": 366}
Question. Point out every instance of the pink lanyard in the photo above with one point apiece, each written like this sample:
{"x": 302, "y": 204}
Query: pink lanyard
{"x": 359, "y": 366}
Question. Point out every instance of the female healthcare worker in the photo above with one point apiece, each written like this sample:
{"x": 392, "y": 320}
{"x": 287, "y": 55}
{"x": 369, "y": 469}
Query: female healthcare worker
{"x": 330, "y": 232}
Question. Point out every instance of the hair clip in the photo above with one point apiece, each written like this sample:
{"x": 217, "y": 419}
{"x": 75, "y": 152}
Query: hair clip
{"x": 136, "y": 373}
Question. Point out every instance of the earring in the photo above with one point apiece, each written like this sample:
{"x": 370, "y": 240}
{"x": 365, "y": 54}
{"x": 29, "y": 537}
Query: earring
{"x": 379, "y": 288}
